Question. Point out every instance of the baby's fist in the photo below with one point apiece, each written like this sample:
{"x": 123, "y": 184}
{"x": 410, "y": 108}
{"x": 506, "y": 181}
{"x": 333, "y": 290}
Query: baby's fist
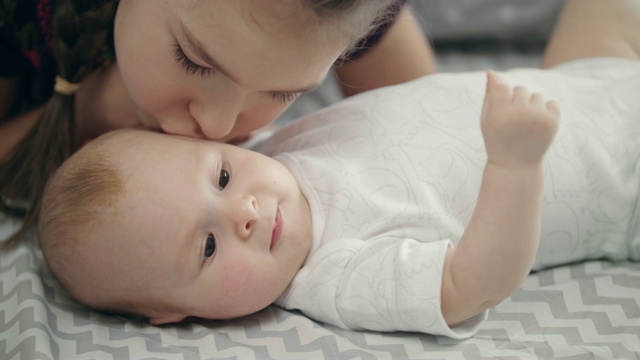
{"x": 518, "y": 127}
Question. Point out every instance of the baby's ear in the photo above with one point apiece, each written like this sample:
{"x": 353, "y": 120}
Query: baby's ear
{"x": 166, "y": 319}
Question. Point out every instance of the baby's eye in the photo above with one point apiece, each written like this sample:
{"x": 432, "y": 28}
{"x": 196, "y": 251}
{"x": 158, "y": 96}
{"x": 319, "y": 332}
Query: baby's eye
{"x": 210, "y": 246}
{"x": 224, "y": 179}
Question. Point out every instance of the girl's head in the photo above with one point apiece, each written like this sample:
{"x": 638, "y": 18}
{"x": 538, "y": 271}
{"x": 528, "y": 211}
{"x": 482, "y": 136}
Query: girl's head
{"x": 218, "y": 69}
{"x": 200, "y": 68}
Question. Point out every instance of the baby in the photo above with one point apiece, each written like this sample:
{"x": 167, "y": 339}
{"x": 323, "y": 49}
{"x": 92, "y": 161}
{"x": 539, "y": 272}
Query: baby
{"x": 394, "y": 214}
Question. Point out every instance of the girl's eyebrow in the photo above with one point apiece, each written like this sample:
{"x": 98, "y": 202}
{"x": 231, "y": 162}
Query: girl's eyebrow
{"x": 199, "y": 49}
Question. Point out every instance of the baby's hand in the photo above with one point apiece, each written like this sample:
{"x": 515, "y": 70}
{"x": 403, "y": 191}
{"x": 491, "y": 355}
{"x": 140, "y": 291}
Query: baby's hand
{"x": 517, "y": 127}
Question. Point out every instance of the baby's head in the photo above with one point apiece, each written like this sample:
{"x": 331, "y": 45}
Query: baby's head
{"x": 169, "y": 227}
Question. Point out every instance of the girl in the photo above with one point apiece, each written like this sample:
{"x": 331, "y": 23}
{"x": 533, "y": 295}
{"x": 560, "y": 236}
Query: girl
{"x": 204, "y": 69}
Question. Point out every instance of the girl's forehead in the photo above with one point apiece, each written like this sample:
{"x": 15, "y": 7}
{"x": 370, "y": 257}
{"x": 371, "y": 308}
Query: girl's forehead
{"x": 274, "y": 18}
{"x": 258, "y": 12}
{"x": 263, "y": 51}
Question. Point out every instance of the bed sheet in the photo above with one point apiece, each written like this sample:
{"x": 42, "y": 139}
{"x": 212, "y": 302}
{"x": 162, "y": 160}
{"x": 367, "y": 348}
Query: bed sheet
{"x": 586, "y": 310}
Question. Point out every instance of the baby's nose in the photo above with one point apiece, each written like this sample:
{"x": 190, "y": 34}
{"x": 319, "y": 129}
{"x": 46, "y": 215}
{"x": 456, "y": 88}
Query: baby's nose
{"x": 245, "y": 216}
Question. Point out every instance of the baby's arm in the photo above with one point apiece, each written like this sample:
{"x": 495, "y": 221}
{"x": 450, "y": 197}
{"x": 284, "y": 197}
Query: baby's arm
{"x": 498, "y": 247}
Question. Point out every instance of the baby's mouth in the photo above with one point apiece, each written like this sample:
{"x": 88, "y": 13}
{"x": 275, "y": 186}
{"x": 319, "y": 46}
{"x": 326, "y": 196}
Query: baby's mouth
{"x": 277, "y": 230}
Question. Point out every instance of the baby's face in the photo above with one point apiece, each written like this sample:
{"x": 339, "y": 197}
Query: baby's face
{"x": 216, "y": 230}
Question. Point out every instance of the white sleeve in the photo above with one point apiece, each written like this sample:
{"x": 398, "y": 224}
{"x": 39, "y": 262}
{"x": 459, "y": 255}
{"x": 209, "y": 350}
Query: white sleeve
{"x": 394, "y": 284}
{"x": 380, "y": 285}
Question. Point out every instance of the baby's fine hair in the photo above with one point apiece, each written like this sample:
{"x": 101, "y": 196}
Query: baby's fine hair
{"x": 77, "y": 193}
{"x": 82, "y": 29}
{"x": 87, "y": 186}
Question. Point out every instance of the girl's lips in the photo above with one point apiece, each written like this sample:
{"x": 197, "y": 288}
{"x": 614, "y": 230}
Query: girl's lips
{"x": 277, "y": 230}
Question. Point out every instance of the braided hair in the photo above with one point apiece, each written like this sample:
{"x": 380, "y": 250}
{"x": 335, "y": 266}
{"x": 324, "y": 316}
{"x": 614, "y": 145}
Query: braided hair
{"x": 81, "y": 30}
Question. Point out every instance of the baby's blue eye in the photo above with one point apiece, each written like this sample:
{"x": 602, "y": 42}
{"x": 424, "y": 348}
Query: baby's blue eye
{"x": 210, "y": 246}
{"x": 224, "y": 179}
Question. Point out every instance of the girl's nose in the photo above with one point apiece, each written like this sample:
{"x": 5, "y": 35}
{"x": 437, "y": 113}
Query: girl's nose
{"x": 215, "y": 119}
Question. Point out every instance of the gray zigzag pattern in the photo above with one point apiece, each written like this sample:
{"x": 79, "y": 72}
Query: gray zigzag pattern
{"x": 599, "y": 320}
{"x": 275, "y": 333}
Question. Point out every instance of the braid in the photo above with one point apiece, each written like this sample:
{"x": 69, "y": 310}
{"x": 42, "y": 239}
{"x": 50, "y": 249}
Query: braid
{"x": 81, "y": 29}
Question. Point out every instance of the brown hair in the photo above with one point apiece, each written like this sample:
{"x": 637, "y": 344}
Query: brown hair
{"x": 81, "y": 29}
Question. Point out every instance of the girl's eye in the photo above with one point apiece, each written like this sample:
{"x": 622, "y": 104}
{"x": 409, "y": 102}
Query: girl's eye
{"x": 283, "y": 97}
{"x": 223, "y": 180}
{"x": 210, "y": 246}
{"x": 188, "y": 65}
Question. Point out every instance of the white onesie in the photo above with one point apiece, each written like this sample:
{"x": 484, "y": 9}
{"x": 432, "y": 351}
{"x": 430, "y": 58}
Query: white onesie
{"x": 392, "y": 177}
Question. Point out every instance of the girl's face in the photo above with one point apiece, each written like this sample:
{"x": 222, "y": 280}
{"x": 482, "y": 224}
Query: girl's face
{"x": 218, "y": 69}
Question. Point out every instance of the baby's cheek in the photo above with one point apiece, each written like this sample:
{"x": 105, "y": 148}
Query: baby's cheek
{"x": 246, "y": 285}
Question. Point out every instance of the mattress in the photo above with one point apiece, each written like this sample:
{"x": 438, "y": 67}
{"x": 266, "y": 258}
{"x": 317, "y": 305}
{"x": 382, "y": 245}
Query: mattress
{"x": 588, "y": 310}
